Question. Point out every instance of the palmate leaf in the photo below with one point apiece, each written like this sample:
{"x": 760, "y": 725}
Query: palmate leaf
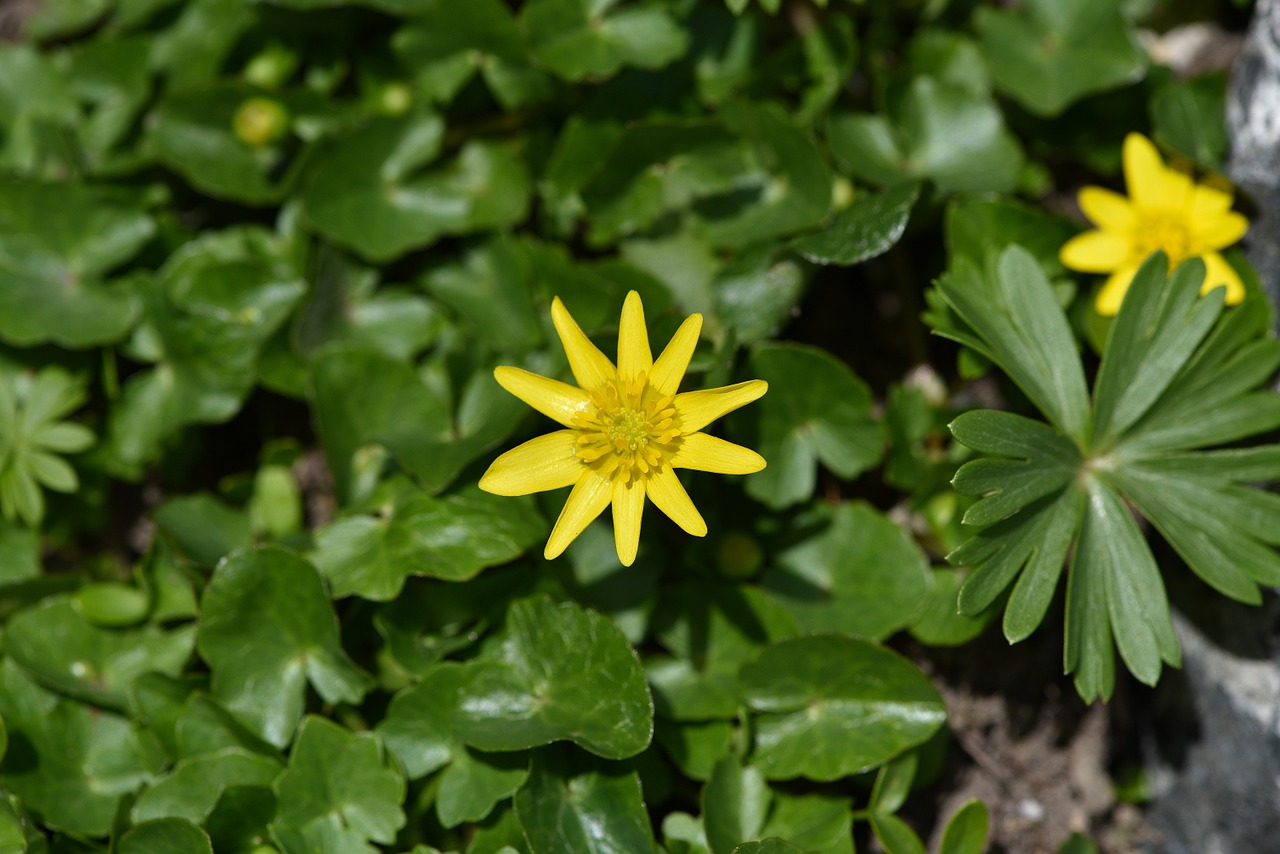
{"x": 1179, "y": 378}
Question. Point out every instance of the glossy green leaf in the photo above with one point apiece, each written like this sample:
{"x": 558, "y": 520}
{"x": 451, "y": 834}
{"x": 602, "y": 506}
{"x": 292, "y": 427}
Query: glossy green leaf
{"x": 267, "y": 630}
{"x": 192, "y": 789}
{"x": 940, "y": 621}
{"x": 817, "y": 410}
{"x": 19, "y": 553}
{"x": 474, "y": 782}
{"x": 735, "y": 802}
{"x": 815, "y": 822}
{"x": 490, "y": 289}
{"x": 194, "y": 133}
{"x": 893, "y": 784}
{"x": 241, "y": 819}
{"x": 557, "y": 672}
{"x": 966, "y": 830}
{"x": 338, "y": 782}
{"x": 772, "y": 845}
{"x": 446, "y": 44}
{"x": 369, "y": 193}
{"x": 208, "y": 312}
{"x": 1047, "y": 54}
{"x": 58, "y": 242}
{"x": 896, "y": 835}
{"x": 362, "y": 398}
{"x": 936, "y": 131}
{"x": 165, "y": 836}
{"x": 857, "y": 573}
{"x": 576, "y": 802}
{"x": 867, "y": 228}
{"x": 580, "y": 39}
{"x": 69, "y": 763}
{"x": 829, "y": 706}
{"x": 1186, "y": 115}
{"x": 68, "y": 653}
{"x": 111, "y": 604}
{"x": 976, "y": 227}
{"x": 453, "y": 538}
{"x": 695, "y": 747}
{"x": 203, "y": 527}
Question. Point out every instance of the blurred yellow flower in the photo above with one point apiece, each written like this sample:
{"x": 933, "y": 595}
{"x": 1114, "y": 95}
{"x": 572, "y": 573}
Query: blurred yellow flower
{"x": 1165, "y": 209}
{"x": 626, "y": 431}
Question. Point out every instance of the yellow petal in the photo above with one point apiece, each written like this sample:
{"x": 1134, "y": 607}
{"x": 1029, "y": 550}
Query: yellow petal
{"x": 669, "y": 370}
{"x": 628, "y": 510}
{"x": 591, "y": 494}
{"x": 547, "y": 462}
{"x": 1106, "y": 209}
{"x": 1095, "y": 252}
{"x": 1219, "y": 274}
{"x": 634, "y": 356}
{"x": 1219, "y": 231}
{"x": 697, "y": 409}
{"x": 666, "y": 491}
{"x": 590, "y": 367}
{"x": 554, "y": 399}
{"x": 1208, "y": 201}
{"x": 1151, "y": 184}
{"x": 1112, "y": 294}
{"x": 703, "y": 452}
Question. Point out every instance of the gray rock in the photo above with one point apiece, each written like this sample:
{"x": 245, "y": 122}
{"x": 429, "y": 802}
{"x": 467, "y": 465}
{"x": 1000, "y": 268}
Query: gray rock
{"x": 1224, "y": 797}
{"x": 1253, "y": 125}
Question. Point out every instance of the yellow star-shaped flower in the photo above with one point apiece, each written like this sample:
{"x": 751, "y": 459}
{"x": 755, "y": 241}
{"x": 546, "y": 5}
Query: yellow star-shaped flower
{"x": 626, "y": 431}
{"x": 1165, "y": 209}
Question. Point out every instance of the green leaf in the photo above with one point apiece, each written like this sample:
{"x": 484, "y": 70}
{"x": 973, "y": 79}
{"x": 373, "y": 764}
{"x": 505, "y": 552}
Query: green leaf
{"x": 857, "y": 573}
{"x": 557, "y": 672}
{"x": 266, "y": 630}
{"x": 1047, "y": 54}
{"x": 830, "y": 706}
{"x": 453, "y": 538}
{"x": 1016, "y": 321}
{"x": 936, "y": 131}
{"x": 580, "y": 39}
{"x": 241, "y": 819}
{"x": 111, "y": 604}
{"x": 194, "y": 133}
{"x": 19, "y": 553}
{"x": 757, "y": 293}
{"x": 893, "y": 784}
{"x": 339, "y": 781}
{"x": 363, "y": 398}
{"x": 70, "y": 763}
{"x": 896, "y": 835}
{"x": 1186, "y": 115}
{"x": 165, "y": 836}
{"x": 772, "y": 845}
{"x": 817, "y": 410}
{"x": 213, "y": 305}
{"x": 1149, "y": 344}
{"x": 976, "y": 228}
{"x": 695, "y": 747}
{"x": 735, "y": 802}
{"x": 369, "y": 193}
{"x": 865, "y": 229}
{"x": 713, "y": 629}
{"x": 58, "y": 242}
{"x": 37, "y": 106}
{"x": 446, "y": 44}
{"x": 203, "y": 527}
{"x": 192, "y": 789}
{"x": 939, "y": 621}
{"x": 578, "y": 803}
{"x": 790, "y": 187}
{"x": 475, "y": 782}
{"x": 817, "y": 822}
{"x": 66, "y": 652}
{"x": 966, "y": 831}
{"x": 490, "y": 289}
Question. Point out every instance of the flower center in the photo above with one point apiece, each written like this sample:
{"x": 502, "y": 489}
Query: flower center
{"x": 629, "y": 431}
{"x": 1159, "y": 230}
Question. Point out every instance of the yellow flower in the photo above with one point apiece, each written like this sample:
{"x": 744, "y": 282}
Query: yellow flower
{"x": 626, "y": 431}
{"x": 1165, "y": 210}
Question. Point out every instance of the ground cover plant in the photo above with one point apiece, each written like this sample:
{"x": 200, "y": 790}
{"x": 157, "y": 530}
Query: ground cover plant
{"x": 309, "y": 416}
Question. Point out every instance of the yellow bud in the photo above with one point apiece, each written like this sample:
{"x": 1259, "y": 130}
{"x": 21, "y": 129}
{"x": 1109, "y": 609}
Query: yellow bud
{"x": 260, "y": 121}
